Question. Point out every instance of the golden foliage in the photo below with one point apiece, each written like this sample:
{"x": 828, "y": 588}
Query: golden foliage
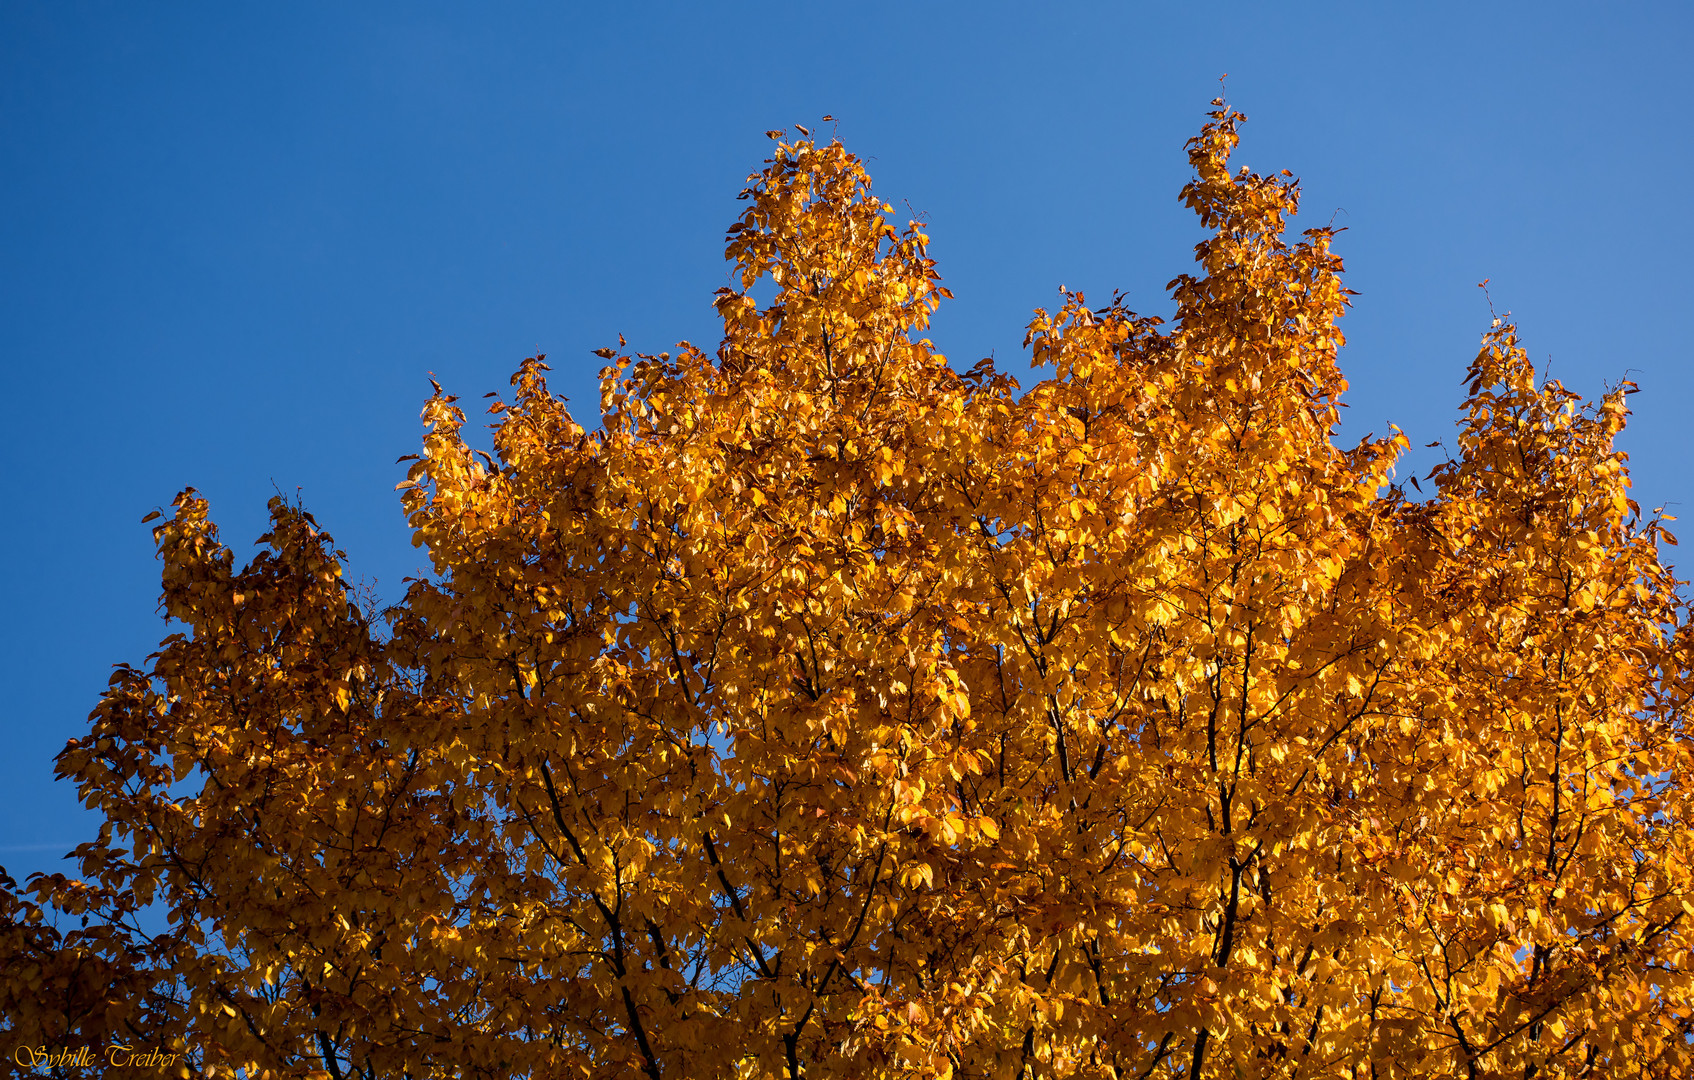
{"x": 831, "y": 713}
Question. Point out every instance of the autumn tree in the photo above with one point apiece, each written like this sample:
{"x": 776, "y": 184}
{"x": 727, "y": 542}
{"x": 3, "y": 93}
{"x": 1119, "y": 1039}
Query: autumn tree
{"x": 831, "y": 713}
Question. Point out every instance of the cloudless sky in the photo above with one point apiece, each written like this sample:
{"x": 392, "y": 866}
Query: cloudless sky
{"x": 236, "y": 238}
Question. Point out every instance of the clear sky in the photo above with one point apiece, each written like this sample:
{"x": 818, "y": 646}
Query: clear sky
{"x": 236, "y": 238}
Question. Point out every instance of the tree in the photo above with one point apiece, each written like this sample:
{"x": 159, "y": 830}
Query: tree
{"x": 831, "y": 713}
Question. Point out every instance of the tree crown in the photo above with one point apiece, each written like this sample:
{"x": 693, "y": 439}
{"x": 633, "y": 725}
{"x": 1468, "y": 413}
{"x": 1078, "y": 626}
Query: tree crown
{"x": 830, "y": 712}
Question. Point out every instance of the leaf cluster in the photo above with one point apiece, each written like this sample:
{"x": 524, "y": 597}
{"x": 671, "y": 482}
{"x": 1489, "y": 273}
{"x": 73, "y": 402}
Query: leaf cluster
{"x": 830, "y": 712}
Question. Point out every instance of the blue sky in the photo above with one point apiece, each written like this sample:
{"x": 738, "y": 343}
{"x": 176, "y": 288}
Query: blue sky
{"x": 237, "y": 238}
